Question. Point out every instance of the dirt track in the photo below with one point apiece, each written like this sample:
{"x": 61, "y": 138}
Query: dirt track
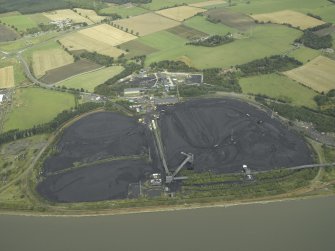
{"x": 225, "y": 134}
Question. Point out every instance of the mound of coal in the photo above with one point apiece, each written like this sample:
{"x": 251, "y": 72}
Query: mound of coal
{"x": 95, "y": 137}
{"x": 94, "y": 183}
{"x": 225, "y": 134}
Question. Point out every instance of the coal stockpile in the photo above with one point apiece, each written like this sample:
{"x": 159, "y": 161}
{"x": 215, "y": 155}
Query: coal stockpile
{"x": 98, "y": 182}
{"x": 225, "y": 134}
{"x": 96, "y": 137}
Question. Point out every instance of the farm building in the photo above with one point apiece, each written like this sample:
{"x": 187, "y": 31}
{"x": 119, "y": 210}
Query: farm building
{"x": 133, "y": 92}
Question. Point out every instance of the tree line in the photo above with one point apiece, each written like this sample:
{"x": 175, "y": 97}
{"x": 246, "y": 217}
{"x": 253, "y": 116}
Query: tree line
{"x": 314, "y": 41}
{"x": 172, "y": 66}
{"x": 212, "y": 41}
{"x": 268, "y": 65}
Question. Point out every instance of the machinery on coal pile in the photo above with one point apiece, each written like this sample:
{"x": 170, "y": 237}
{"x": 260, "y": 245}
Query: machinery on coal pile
{"x": 171, "y": 177}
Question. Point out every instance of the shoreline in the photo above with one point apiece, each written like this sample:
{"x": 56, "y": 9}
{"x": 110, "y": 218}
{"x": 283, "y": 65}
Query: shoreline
{"x": 157, "y": 209}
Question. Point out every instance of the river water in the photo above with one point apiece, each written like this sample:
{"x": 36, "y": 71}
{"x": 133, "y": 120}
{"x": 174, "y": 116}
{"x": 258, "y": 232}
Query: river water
{"x": 292, "y": 225}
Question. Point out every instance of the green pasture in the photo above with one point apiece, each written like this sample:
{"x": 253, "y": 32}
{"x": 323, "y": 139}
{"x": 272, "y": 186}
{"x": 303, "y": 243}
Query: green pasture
{"x": 279, "y": 87}
{"x": 200, "y": 23}
{"x": 19, "y": 75}
{"x": 88, "y": 81}
{"x": 33, "y": 106}
{"x": 21, "y": 22}
{"x": 262, "y": 41}
{"x": 304, "y": 54}
{"x": 123, "y": 11}
{"x": 159, "y": 4}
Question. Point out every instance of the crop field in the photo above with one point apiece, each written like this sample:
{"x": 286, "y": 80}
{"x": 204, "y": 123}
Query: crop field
{"x": 101, "y": 38}
{"x": 89, "y": 80}
{"x": 123, "y": 10}
{"x": 200, "y": 23}
{"x": 7, "y": 34}
{"x": 64, "y": 72}
{"x": 19, "y": 75}
{"x": 318, "y": 74}
{"x": 279, "y": 87}
{"x": 180, "y": 13}
{"x": 187, "y": 32}
{"x": 162, "y": 4}
{"x": 7, "y": 77}
{"x": 208, "y": 3}
{"x": 266, "y": 40}
{"x": 136, "y": 48}
{"x": 21, "y": 22}
{"x": 33, "y": 106}
{"x": 223, "y": 137}
{"x": 147, "y": 23}
{"x": 90, "y": 14}
{"x": 64, "y": 14}
{"x": 304, "y": 54}
{"x": 231, "y": 19}
{"x": 326, "y": 31}
{"x": 293, "y": 18}
{"x": 46, "y": 60}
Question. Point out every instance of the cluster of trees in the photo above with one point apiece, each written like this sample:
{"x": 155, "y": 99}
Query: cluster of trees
{"x": 212, "y": 41}
{"x": 41, "y": 27}
{"x": 327, "y": 99}
{"x": 111, "y": 87}
{"x": 193, "y": 90}
{"x": 112, "y": 16}
{"x": 315, "y": 16}
{"x": 221, "y": 81}
{"x": 97, "y": 58}
{"x": 172, "y": 66}
{"x": 321, "y": 121}
{"x": 60, "y": 119}
{"x": 268, "y": 65}
{"x": 310, "y": 39}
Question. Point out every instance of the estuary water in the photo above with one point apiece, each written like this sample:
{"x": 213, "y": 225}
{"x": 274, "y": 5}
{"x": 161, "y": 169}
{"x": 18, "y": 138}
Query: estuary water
{"x": 292, "y": 225}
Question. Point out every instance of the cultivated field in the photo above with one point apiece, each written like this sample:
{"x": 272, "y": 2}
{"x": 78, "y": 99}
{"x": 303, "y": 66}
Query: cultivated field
{"x": 207, "y": 3}
{"x": 123, "y": 10}
{"x": 7, "y": 77}
{"x": 187, "y": 32}
{"x": 162, "y": 4}
{"x": 66, "y": 14}
{"x": 136, "y": 48}
{"x": 90, "y": 14}
{"x": 33, "y": 106}
{"x": 279, "y": 87}
{"x": 88, "y": 81}
{"x": 7, "y": 34}
{"x": 318, "y": 74}
{"x": 21, "y": 22}
{"x": 147, "y": 23}
{"x": 180, "y": 13}
{"x": 64, "y": 72}
{"x": 45, "y": 60}
{"x": 231, "y": 19}
{"x": 101, "y": 38}
{"x": 293, "y": 18}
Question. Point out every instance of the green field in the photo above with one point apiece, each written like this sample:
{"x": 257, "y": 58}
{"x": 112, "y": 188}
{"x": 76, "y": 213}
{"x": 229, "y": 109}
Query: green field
{"x": 33, "y": 106}
{"x": 264, "y": 40}
{"x": 279, "y": 87}
{"x": 21, "y": 22}
{"x": 123, "y": 11}
{"x": 263, "y": 6}
{"x": 92, "y": 79}
{"x": 304, "y": 54}
{"x": 200, "y": 23}
{"x": 159, "y": 4}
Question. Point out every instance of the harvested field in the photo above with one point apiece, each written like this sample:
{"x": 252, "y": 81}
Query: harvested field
{"x": 7, "y": 34}
{"x": 187, "y": 32}
{"x": 231, "y": 19}
{"x": 97, "y": 137}
{"x": 46, "y": 60}
{"x": 66, "y": 14}
{"x": 64, "y": 72}
{"x": 207, "y": 3}
{"x": 101, "y": 38}
{"x": 180, "y": 13}
{"x": 293, "y": 18}
{"x": 224, "y": 134}
{"x": 107, "y": 181}
{"x": 90, "y": 14}
{"x": 7, "y": 77}
{"x": 147, "y": 23}
{"x": 318, "y": 74}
